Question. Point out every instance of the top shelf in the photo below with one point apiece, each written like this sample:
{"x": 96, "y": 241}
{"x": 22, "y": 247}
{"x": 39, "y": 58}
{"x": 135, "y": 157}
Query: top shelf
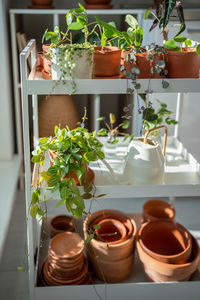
{"x": 37, "y": 85}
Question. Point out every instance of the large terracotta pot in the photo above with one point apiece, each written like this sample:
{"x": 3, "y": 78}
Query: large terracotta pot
{"x": 166, "y": 241}
{"x": 162, "y": 272}
{"x": 184, "y": 64}
{"x": 157, "y": 209}
{"x": 54, "y": 110}
{"x": 107, "y": 61}
{"x": 114, "y": 251}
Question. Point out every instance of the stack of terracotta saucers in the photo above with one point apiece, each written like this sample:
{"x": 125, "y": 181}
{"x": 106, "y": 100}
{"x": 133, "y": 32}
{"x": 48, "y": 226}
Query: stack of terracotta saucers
{"x": 111, "y": 251}
{"x": 66, "y": 264}
{"x": 167, "y": 250}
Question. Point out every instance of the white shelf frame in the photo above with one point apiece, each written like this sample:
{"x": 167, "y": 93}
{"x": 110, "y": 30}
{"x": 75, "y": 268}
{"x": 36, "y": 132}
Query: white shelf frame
{"x": 32, "y": 86}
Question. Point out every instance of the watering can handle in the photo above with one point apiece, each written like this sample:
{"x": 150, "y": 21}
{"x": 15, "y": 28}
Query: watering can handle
{"x": 165, "y": 136}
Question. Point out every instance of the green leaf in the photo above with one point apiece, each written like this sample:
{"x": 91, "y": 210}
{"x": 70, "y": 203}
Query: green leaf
{"x": 97, "y": 227}
{"x": 79, "y": 202}
{"x": 100, "y": 196}
{"x": 77, "y": 156}
{"x": 61, "y": 202}
{"x": 64, "y": 192}
{"x": 73, "y": 187}
{"x": 169, "y": 6}
{"x": 35, "y": 196}
{"x": 146, "y": 13}
{"x": 180, "y": 39}
{"x": 43, "y": 140}
{"x": 188, "y": 43}
{"x": 21, "y": 269}
{"x": 89, "y": 238}
{"x": 79, "y": 175}
{"x": 101, "y": 119}
{"x": 75, "y": 26}
{"x": 89, "y": 156}
{"x": 87, "y": 196}
{"x": 100, "y": 154}
{"x": 131, "y": 21}
{"x": 198, "y": 49}
{"x": 44, "y": 35}
{"x": 103, "y": 39}
{"x": 52, "y": 170}
{"x": 126, "y": 124}
{"x": 69, "y": 18}
{"x": 182, "y": 28}
{"x": 67, "y": 157}
{"x": 170, "y": 44}
{"x": 115, "y": 141}
{"x": 77, "y": 212}
{"x": 88, "y": 187}
{"x": 112, "y": 118}
{"x": 75, "y": 150}
{"x": 34, "y": 210}
{"x": 102, "y": 132}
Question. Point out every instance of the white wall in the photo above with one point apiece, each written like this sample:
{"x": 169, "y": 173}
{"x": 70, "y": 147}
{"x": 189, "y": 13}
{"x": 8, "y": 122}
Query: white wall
{"x": 6, "y": 118}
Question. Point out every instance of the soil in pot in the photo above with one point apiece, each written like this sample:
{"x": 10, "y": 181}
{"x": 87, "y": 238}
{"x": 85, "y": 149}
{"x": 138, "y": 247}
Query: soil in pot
{"x": 184, "y": 64}
{"x": 107, "y": 61}
{"x": 158, "y": 209}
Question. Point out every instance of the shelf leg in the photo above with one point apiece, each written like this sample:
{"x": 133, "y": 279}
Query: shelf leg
{"x": 179, "y": 109}
{"x": 96, "y": 111}
{"x": 35, "y": 120}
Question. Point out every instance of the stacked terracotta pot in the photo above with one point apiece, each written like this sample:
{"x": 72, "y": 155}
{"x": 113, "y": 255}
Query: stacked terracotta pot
{"x": 167, "y": 250}
{"x": 111, "y": 251}
{"x": 66, "y": 264}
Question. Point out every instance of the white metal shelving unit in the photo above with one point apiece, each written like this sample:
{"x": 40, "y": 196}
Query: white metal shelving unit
{"x": 182, "y": 179}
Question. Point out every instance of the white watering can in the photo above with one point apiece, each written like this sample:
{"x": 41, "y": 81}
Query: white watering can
{"x": 144, "y": 163}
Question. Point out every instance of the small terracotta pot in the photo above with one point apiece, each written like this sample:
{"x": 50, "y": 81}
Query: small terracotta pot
{"x": 61, "y": 224}
{"x": 166, "y": 241}
{"x": 111, "y": 271}
{"x": 143, "y": 64}
{"x": 109, "y": 251}
{"x": 97, "y": 2}
{"x": 111, "y": 231}
{"x": 42, "y": 2}
{"x": 107, "y": 61}
{"x": 158, "y": 209}
{"x": 162, "y": 272}
{"x": 89, "y": 173}
{"x": 184, "y": 64}
{"x": 46, "y": 61}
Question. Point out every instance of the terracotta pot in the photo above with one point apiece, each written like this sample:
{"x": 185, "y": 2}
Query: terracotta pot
{"x": 54, "y": 110}
{"x": 97, "y": 2}
{"x": 111, "y": 271}
{"x": 46, "y": 61}
{"x": 109, "y": 251}
{"x": 107, "y": 61}
{"x": 166, "y": 241}
{"x": 162, "y": 272}
{"x": 42, "y": 2}
{"x": 89, "y": 174}
{"x": 184, "y": 64}
{"x": 158, "y": 209}
{"x": 143, "y": 65}
{"x": 111, "y": 231}
{"x": 61, "y": 224}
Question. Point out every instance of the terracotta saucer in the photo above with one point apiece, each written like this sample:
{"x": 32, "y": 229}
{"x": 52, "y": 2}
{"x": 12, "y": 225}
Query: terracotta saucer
{"x": 41, "y": 6}
{"x": 66, "y": 245}
{"x": 98, "y": 6}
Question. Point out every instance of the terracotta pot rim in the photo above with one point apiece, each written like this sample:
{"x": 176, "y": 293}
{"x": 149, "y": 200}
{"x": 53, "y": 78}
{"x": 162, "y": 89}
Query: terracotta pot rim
{"x": 106, "y": 49}
{"x": 185, "y": 51}
{"x": 163, "y": 256}
{"x": 103, "y": 212}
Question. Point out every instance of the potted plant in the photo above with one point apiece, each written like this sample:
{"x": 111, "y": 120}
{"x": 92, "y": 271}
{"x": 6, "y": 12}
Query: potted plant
{"x": 183, "y": 60}
{"x": 70, "y": 152}
{"x": 112, "y": 132}
{"x": 68, "y": 60}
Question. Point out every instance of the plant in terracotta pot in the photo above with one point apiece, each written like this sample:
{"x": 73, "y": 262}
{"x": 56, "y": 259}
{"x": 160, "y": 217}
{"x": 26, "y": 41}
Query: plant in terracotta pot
{"x": 183, "y": 60}
{"x": 70, "y": 153}
{"x": 112, "y": 131}
{"x": 68, "y": 60}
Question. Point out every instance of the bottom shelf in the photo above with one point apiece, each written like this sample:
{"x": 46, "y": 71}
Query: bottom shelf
{"x": 136, "y": 285}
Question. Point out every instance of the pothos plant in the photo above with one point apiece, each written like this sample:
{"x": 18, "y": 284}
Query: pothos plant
{"x": 72, "y": 151}
{"x": 62, "y": 50}
{"x": 112, "y": 131}
{"x": 152, "y": 118}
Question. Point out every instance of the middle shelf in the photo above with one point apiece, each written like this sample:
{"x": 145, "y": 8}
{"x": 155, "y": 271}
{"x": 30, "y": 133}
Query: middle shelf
{"x": 181, "y": 176}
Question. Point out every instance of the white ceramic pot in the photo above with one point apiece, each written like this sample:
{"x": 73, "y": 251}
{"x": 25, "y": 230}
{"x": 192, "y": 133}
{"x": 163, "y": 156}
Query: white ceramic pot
{"x": 145, "y": 161}
{"x": 80, "y": 64}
